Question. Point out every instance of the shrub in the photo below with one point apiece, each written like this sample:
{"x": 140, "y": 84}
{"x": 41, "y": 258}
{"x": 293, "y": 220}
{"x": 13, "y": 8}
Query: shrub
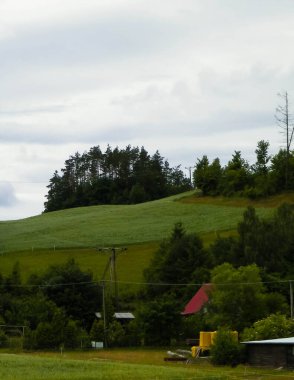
{"x": 3, "y": 339}
{"x": 225, "y": 349}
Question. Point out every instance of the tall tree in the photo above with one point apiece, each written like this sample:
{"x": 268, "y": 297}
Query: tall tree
{"x": 285, "y": 122}
{"x": 238, "y": 298}
{"x": 236, "y": 175}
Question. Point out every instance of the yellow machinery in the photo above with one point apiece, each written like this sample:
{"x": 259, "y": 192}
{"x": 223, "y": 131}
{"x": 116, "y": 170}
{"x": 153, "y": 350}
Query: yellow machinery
{"x": 206, "y": 339}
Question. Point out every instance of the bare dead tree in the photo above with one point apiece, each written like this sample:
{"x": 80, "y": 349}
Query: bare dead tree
{"x": 285, "y": 122}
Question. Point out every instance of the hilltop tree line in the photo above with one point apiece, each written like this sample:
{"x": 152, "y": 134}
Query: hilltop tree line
{"x": 131, "y": 175}
{"x": 269, "y": 175}
{"x": 117, "y": 176}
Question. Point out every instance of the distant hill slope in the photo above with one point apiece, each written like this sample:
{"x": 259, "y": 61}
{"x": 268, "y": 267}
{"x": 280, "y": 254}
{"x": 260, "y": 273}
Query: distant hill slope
{"x": 109, "y": 225}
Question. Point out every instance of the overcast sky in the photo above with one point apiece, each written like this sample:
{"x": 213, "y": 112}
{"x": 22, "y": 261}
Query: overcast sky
{"x": 186, "y": 77}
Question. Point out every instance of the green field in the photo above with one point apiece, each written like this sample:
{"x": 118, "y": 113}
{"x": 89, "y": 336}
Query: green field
{"x": 110, "y": 225}
{"x": 121, "y": 365}
{"x": 53, "y": 238}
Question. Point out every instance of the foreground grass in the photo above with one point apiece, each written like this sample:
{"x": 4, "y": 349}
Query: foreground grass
{"x": 87, "y": 366}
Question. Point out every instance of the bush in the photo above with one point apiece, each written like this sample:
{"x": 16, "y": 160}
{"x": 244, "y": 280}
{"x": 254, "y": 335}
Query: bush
{"x": 97, "y": 331}
{"x": 225, "y": 349}
{"x": 3, "y": 339}
{"x": 273, "y": 327}
{"x": 72, "y": 335}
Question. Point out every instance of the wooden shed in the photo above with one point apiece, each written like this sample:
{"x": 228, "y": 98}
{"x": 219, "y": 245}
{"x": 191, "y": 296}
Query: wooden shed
{"x": 271, "y": 353}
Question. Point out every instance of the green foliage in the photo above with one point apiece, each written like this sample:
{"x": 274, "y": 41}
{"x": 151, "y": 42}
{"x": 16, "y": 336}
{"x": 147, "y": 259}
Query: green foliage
{"x": 124, "y": 176}
{"x": 236, "y": 176}
{"x": 237, "y": 299}
{"x": 282, "y": 171}
{"x": 225, "y": 349}
{"x": 72, "y": 335}
{"x": 30, "y": 309}
{"x": 46, "y": 337}
{"x": 160, "y": 321}
{"x": 267, "y": 242}
{"x": 3, "y": 339}
{"x": 273, "y": 327}
{"x": 97, "y": 331}
{"x": 181, "y": 258}
{"x": 192, "y": 325}
{"x": 267, "y": 176}
{"x": 207, "y": 176}
{"x": 115, "y": 334}
{"x": 73, "y": 290}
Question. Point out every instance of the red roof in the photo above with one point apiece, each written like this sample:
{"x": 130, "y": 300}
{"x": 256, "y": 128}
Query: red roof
{"x": 198, "y": 300}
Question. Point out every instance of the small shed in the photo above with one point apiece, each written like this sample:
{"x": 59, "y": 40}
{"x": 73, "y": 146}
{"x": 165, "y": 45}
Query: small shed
{"x": 122, "y": 316}
{"x": 271, "y": 352}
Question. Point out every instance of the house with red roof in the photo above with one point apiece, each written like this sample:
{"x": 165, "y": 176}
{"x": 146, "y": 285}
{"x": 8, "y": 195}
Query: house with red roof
{"x": 198, "y": 301}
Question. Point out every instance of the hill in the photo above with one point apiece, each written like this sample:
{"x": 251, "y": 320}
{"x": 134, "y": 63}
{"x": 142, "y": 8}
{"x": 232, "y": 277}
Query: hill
{"x": 54, "y": 237}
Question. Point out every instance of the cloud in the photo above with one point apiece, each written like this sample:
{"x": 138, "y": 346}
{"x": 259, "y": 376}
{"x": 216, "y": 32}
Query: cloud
{"x": 7, "y": 195}
{"x": 187, "y": 78}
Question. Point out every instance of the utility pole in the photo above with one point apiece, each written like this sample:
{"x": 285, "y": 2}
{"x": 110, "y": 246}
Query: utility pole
{"x": 104, "y": 313}
{"x": 190, "y": 172}
{"x": 291, "y": 299}
{"x": 111, "y": 266}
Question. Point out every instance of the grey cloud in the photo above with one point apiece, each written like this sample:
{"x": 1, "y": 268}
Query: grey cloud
{"x": 216, "y": 123}
{"x": 58, "y": 135}
{"x": 28, "y": 111}
{"x": 7, "y": 196}
{"x": 113, "y": 38}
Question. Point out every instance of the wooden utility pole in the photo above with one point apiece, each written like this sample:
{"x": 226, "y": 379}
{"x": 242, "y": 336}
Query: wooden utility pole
{"x": 291, "y": 299}
{"x": 111, "y": 267}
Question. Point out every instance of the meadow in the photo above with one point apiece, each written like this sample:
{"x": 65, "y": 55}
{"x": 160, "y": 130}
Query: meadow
{"x": 53, "y": 238}
{"x": 121, "y": 365}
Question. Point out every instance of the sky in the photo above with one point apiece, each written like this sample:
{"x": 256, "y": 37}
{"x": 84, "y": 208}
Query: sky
{"x": 184, "y": 77}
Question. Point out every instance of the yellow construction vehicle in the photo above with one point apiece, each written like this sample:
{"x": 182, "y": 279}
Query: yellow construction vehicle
{"x": 206, "y": 339}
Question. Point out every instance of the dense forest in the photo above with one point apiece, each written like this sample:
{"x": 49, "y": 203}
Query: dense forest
{"x": 117, "y": 176}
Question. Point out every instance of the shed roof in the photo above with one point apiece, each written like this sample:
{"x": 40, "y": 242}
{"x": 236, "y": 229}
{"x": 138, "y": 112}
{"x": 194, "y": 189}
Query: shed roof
{"x": 198, "y": 300}
{"x": 124, "y": 315}
{"x": 272, "y": 341}
{"x": 118, "y": 315}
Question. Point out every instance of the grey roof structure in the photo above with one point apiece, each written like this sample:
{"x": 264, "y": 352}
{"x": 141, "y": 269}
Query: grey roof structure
{"x": 124, "y": 316}
{"x": 289, "y": 341}
{"x": 118, "y": 315}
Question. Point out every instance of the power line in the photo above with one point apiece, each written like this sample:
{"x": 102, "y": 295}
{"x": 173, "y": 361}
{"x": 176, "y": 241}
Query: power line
{"x": 99, "y": 282}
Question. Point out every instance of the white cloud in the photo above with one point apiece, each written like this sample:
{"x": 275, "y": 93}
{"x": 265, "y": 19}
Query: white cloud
{"x": 7, "y": 195}
{"x": 185, "y": 77}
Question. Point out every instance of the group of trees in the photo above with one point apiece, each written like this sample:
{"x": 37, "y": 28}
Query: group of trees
{"x": 248, "y": 274}
{"x": 56, "y": 308}
{"x": 117, "y": 176}
{"x": 267, "y": 176}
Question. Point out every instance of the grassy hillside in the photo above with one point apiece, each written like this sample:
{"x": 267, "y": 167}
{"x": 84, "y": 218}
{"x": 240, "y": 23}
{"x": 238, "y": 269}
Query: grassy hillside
{"x": 53, "y": 238}
{"x": 110, "y": 225}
